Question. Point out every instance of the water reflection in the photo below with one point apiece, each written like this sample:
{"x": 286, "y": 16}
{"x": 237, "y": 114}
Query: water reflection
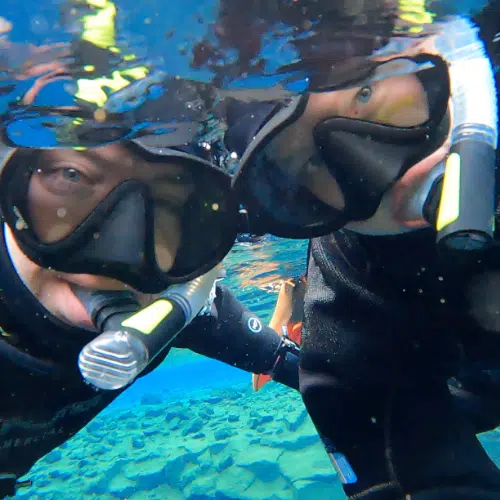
{"x": 104, "y": 47}
{"x": 255, "y": 271}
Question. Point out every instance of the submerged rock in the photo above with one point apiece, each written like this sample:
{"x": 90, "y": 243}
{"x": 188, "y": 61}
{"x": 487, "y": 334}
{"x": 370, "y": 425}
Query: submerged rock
{"x": 261, "y": 461}
{"x": 53, "y": 457}
{"x": 310, "y": 463}
{"x": 154, "y": 412}
{"x": 175, "y": 424}
{"x": 152, "y": 399}
{"x": 137, "y": 442}
{"x": 203, "y": 487}
{"x": 222, "y": 433}
{"x": 228, "y": 478}
{"x": 216, "y": 448}
{"x": 308, "y": 490}
{"x": 213, "y": 400}
{"x": 193, "y": 427}
{"x": 259, "y": 420}
{"x": 225, "y": 463}
{"x": 290, "y": 442}
{"x": 295, "y": 419}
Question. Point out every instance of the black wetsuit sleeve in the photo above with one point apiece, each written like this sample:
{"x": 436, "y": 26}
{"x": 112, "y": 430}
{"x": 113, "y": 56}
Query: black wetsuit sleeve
{"x": 234, "y": 336}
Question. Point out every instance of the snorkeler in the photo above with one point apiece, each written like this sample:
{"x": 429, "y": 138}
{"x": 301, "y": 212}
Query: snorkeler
{"x": 95, "y": 214}
{"x": 400, "y": 349}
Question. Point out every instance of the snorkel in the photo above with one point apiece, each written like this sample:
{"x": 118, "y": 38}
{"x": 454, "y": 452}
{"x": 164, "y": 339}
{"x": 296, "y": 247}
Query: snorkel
{"x": 130, "y": 338}
{"x": 460, "y": 203}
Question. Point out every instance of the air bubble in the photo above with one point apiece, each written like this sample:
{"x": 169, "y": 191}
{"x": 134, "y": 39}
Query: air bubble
{"x": 100, "y": 115}
{"x": 39, "y": 25}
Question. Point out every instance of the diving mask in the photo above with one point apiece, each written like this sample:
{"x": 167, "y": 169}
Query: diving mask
{"x": 144, "y": 215}
{"x": 308, "y": 173}
{"x": 303, "y": 178}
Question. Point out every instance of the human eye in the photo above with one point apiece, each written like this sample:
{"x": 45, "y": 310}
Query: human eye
{"x": 65, "y": 179}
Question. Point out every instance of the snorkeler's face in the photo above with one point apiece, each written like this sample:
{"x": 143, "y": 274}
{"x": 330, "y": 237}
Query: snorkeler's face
{"x": 67, "y": 186}
{"x": 399, "y": 101}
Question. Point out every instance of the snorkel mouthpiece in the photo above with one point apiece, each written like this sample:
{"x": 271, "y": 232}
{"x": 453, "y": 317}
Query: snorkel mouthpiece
{"x": 129, "y": 343}
{"x": 465, "y": 213}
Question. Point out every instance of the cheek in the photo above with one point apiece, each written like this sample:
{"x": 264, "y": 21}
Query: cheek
{"x": 53, "y": 293}
{"x": 52, "y": 218}
{"x": 167, "y": 239}
{"x": 405, "y": 106}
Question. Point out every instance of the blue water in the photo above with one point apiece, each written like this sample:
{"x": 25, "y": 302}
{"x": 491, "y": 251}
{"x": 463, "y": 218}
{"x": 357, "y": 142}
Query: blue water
{"x": 166, "y": 35}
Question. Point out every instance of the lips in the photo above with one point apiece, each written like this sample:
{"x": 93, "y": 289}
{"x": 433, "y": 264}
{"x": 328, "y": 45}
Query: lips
{"x": 79, "y": 315}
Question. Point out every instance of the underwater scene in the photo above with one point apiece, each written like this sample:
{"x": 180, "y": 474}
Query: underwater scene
{"x": 194, "y": 428}
{"x": 249, "y": 250}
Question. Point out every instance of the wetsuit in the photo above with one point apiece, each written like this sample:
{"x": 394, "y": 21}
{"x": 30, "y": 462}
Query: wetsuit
{"x": 400, "y": 355}
{"x": 395, "y": 365}
{"x": 400, "y": 360}
{"x": 43, "y": 398}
